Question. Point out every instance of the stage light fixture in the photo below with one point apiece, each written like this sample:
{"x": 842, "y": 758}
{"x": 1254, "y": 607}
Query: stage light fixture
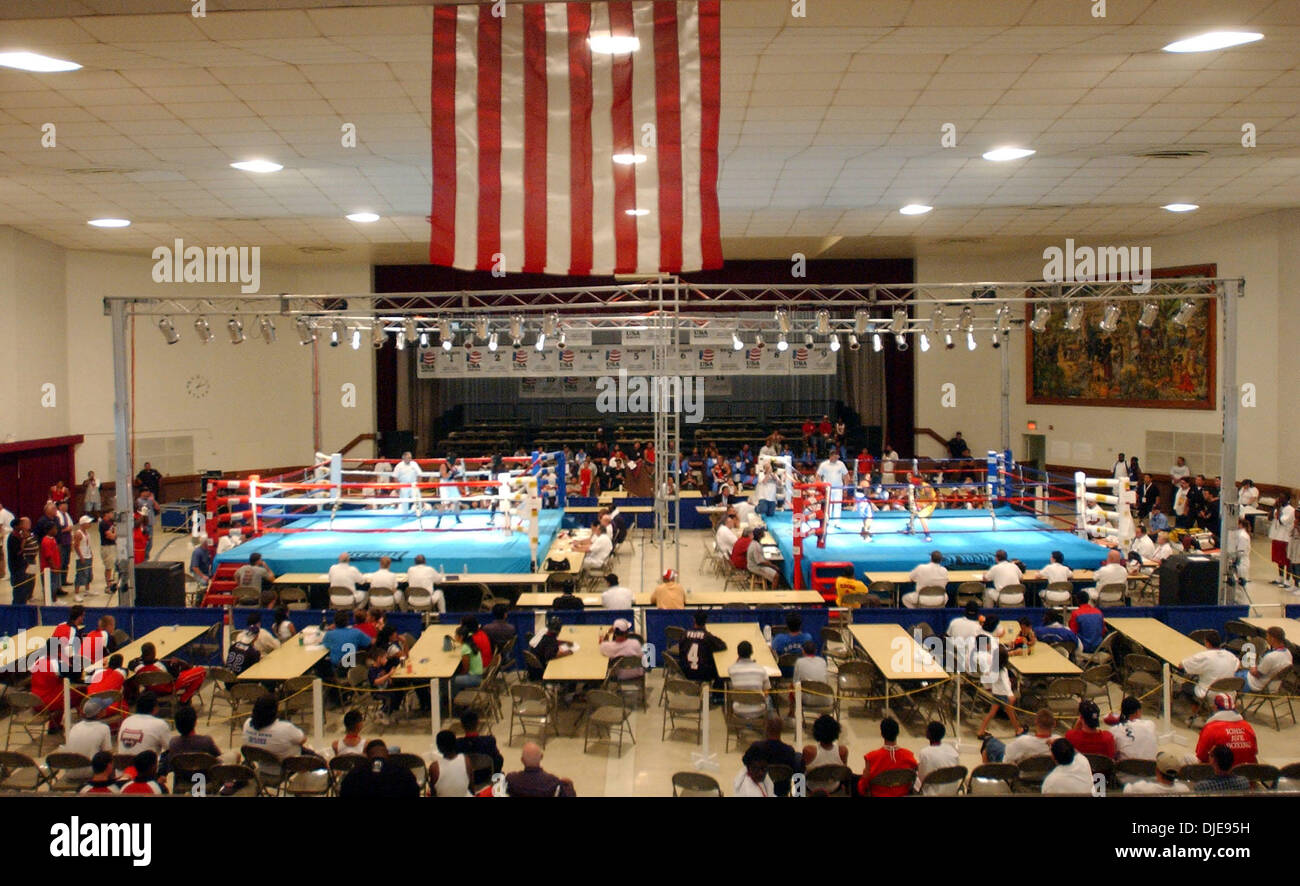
{"x": 835, "y": 343}
{"x": 1185, "y": 312}
{"x": 937, "y": 321}
{"x": 444, "y": 329}
{"x": 267, "y": 329}
{"x": 1109, "y": 318}
{"x": 823, "y": 322}
{"x": 736, "y": 343}
{"x": 549, "y": 324}
{"x": 493, "y": 342}
{"x": 447, "y": 343}
{"x": 236, "y": 329}
{"x": 783, "y": 320}
{"x": 203, "y": 329}
{"x": 782, "y": 343}
{"x": 517, "y": 328}
{"x": 970, "y": 341}
{"x": 377, "y": 334}
{"x": 560, "y": 342}
{"x": 853, "y": 341}
{"x": 948, "y": 343}
{"x": 424, "y": 338}
{"x": 967, "y": 319}
{"x": 1074, "y": 318}
{"x": 409, "y": 331}
{"x": 1042, "y": 314}
{"x": 808, "y": 339}
{"x": 306, "y": 334}
{"x": 924, "y": 342}
{"x": 899, "y": 324}
{"x": 356, "y": 338}
{"x": 996, "y": 339}
{"x": 168, "y": 330}
{"x": 338, "y": 331}
{"x": 481, "y": 328}
{"x": 900, "y": 341}
{"x": 877, "y": 343}
{"x": 1003, "y": 319}
{"x": 541, "y": 342}
{"x": 1150, "y": 311}
{"x": 758, "y": 339}
{"x": 861, "y": 322}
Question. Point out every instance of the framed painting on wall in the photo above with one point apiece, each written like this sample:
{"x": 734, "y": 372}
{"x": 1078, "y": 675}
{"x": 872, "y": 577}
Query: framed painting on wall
{"x": 1164, "y": 367}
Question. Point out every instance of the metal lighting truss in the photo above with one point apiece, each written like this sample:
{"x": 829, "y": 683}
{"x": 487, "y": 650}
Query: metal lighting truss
{"x": 667, "y": 305}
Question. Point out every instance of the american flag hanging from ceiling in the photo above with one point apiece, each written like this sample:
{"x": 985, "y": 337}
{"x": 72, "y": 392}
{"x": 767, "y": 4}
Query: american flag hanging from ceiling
{"x": 527, "y": 120}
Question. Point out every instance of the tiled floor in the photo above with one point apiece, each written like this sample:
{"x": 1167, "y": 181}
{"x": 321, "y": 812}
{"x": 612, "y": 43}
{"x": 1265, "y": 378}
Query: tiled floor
{"x": 645, "y": 769}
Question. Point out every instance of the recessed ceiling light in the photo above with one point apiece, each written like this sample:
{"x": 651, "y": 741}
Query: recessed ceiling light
{"x": 915, "y": 209}
{"x": 110, "y": 222}
{"x": 30, "y": 61}
{"x": 1180, "y": 207}
{"x": 637, "y": 211}
{"x": 1213, "y": 40}
{"x": 257, "y": 166}
{"x": 363, "y": 217}
{"x": 628, "y": 159}
{"x": 609, "y": 44}
{"x": 1002, "y": 155}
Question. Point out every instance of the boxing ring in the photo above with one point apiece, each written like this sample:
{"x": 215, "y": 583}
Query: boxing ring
{"x": 471, "y": 515}
{"x": 892, "y": 527}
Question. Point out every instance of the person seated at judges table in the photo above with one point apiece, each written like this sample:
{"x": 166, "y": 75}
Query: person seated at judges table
{"x": 615, "y": 596}
{"x": 756, "y": 562}
{"x": 1214, "y": 663}
{"x": 423, "y": 576}
{"x": 597, "y": 547}
{"x": 926, "y": 575}
{"x": 669, "y": 593}
{"x": 567, "y": 599}
{"x": 383, "y": 579}
{"x": 344, "y": 575}
{"x": 1112, "y": 572}
{"x": 1001, "y": 574}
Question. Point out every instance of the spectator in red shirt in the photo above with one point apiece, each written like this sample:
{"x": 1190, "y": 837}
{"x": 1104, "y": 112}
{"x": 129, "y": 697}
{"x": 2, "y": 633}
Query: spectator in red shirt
{"x": 1087, "y": 736}
{"x": 52, "y": 560}
{"x": 470, "y": 628}
{"x": 1229, "y": 729}
{"x": 883, "y": 759}
{"x": 866, "y": 462}
{"x": 740, "y": 550}
{"x": 139, "y": 541}
{"x": 47, "y": 684}
{"x": 365, "y": 625}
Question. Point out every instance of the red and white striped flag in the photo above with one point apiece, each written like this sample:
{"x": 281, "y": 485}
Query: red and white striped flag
{"x": 526, "y": 122}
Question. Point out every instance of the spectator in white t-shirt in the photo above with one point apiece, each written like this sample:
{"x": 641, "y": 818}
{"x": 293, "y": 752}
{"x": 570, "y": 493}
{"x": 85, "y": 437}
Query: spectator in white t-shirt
{"x": 1214, "y": 663}
{"x": 1032, "y": 744}
{"x": 615, "y": 596}
{"x": 936, "y": 755}
{"x": 747, "y": 674}
{"x": 142, "y": 731}
{"x": 1179, "y": 470}
{"x": 1135, "y": 738}
{"x": 88, "y": 738}
{"x": 1260, "y": 677}
{"x": 1248, "y": 494}
{"x": 1001, "y": 574}
{"x": 1072, "y": 774}
{"x": 926, "y": 575}
{"x": 278, "y": 737}
{"x": 728, "y": 534}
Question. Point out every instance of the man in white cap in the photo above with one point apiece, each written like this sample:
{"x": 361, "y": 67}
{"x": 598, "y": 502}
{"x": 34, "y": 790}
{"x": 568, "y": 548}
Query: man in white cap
{"x": 669, "y": 594}
{"x": 619, "y": 642}
{"x": 1166, "y": 780}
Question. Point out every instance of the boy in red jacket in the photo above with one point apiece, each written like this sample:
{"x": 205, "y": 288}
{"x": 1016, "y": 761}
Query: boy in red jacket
{"x": 885, "y": 758}
{"x": 52, "y": 560}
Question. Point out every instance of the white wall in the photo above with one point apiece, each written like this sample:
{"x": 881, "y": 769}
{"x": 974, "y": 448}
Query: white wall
{"x": 31, "y": 338}
{"x": 1265, "y": 250}
{"x": 258, "y": 409}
